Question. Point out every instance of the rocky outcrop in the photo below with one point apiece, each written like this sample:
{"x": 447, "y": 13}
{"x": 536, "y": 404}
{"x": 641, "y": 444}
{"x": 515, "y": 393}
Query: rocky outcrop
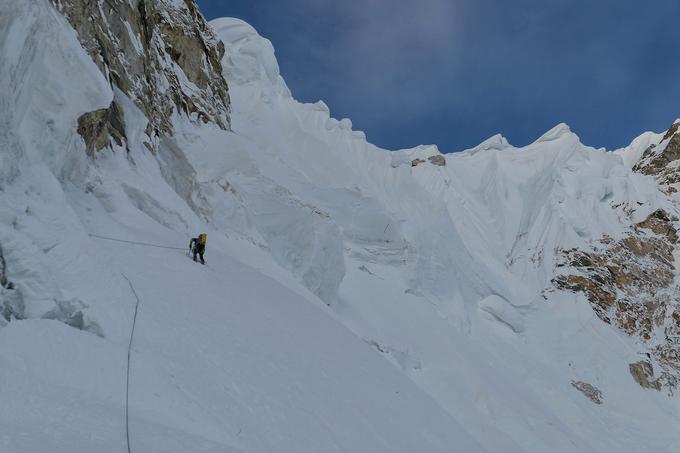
{"x": 643, "y": 373}
{"x": 590, "y": 391}
{"x": 161, "y": 54}
{"x": 101, "y": 127}
{"x": 437, "y": 160}
{"x": 630, "y": 284}
{"x": 663, "y": 160}
{"x": 660, "y": 223}
{"x": 11, "y": 300}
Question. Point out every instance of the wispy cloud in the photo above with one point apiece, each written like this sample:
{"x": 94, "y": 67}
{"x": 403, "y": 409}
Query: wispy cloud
{"x": 387, "y": 52}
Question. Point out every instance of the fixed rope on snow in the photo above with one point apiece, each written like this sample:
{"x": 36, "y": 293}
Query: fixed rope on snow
{"x": 147, "y": 244}
{"x": 129, "y": 351}
{"x": 134, "y": 324}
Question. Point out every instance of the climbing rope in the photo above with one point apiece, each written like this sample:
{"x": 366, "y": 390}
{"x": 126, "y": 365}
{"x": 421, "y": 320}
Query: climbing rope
{"x": 129, "y": 351}
{"x": 147, "y": 244}
{"x": 132, "y": 330}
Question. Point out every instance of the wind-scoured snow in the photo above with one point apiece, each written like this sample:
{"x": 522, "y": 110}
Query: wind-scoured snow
{"x": 351, "y": 301}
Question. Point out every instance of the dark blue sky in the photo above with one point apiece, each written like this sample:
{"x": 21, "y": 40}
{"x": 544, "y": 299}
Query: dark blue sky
{"x": 455, "y": 72}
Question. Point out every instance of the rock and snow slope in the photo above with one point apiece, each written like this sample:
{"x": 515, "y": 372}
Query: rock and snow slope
{"x": 353, "y": 301}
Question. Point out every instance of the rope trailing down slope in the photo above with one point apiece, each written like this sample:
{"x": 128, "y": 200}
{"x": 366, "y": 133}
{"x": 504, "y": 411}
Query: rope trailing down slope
{"x": 129, "y": 351}
{"x": 132, "y": 330}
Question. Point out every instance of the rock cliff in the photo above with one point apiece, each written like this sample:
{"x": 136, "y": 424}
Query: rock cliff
{"x": 161, "y": 54}
{"x": 631, "y": 282}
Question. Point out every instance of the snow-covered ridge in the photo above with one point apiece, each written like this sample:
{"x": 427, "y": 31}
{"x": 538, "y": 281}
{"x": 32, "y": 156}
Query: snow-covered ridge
{"x": 352, "y": 301}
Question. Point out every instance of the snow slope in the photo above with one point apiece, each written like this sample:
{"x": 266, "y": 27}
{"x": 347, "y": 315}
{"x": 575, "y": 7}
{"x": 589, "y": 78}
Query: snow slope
{"x": 224, "y": 359}
{"x": 446, "y": 267}
{"x": 351, "y": 302}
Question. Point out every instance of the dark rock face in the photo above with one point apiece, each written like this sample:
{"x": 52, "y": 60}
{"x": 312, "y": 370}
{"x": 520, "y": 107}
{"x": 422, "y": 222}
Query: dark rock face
{"x": 160, "y": 53}
{"x": 663, "y": 160}
{"x": 660, "y": 223}
{"x": 630, "y": 284}
{"x": 590, "y": 391}
{"x": 98, "y": 128}
{"x": 11, "y": 300}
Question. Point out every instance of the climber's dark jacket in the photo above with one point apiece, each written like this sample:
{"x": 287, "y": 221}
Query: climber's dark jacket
{"x": 195, "y": 246}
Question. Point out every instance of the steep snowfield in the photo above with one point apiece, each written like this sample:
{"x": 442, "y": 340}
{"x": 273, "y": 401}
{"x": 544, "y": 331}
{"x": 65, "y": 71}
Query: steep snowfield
{"x": 225, "y": 358}
{"x": 445, "y": 267}
{"x": 351, "y": 302}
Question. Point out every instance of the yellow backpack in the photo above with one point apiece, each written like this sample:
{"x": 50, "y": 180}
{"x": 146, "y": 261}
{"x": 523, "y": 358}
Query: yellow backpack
{"x": 202, "y": 238}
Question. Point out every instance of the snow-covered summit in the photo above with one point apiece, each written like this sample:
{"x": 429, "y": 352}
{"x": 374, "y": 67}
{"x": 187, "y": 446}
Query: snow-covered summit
{"x": 560, "y": 131}
{"x": 249, "y": 57}
{"x": 495, "y": 142}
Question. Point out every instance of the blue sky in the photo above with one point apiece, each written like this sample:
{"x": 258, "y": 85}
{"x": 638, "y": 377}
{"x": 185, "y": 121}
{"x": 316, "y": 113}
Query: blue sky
{"x": 454, "y": 72}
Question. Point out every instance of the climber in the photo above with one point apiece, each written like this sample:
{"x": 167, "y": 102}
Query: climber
{"x": 197, "y": 246}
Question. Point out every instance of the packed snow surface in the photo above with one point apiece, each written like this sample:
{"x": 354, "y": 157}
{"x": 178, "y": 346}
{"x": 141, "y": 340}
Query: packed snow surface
{"x": 350, "y": 301}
